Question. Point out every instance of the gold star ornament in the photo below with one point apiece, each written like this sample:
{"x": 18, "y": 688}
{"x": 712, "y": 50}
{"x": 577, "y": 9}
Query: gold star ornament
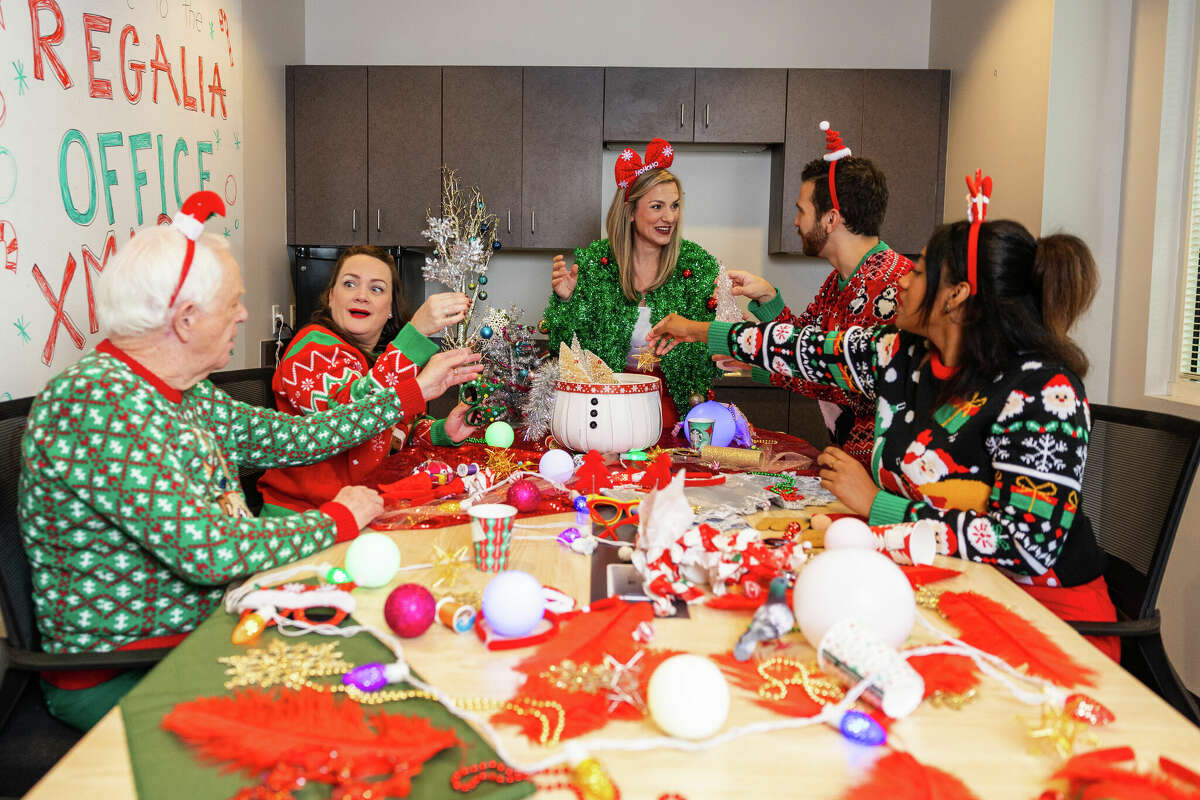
{"x": 447, "y": 566}
{"x": 646, "y": 360}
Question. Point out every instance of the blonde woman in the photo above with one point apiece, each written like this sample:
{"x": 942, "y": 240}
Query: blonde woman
{"x": 617, "y": 288}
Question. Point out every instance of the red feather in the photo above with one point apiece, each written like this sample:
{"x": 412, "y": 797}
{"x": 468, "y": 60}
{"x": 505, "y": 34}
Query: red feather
{"x": 921, "y": 574}
{"x": 946, "y": 672}
{"x": 1094, "y": 775}
{"x": 989, "y": 626}
{"x": 899, "y": 776}
{"x": 258, "y": 730}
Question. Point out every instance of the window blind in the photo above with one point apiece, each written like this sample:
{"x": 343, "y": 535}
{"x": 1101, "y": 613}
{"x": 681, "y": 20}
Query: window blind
{"x": 1189, "y": 363}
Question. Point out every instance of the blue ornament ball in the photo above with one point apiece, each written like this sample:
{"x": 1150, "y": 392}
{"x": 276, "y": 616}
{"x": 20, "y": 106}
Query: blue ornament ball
{"x": 496, "y": 245}
{"x": 580, "y": 504}
{"x": 724, "y": 425}
{"x": 485, "y": 332}
{"x": 483, "y": 280}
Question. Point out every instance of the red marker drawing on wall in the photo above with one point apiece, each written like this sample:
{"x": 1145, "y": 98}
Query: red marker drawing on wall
{"x": 225, "y": 27}
{"x": 56, "y": 304}
{"x": 8, "y": 238}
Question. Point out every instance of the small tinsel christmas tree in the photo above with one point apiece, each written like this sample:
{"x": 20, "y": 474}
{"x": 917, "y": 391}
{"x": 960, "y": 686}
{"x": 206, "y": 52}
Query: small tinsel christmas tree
{"x": 539, "y": 402}
{"x": 510, "y": 357}
{"x": 463, "y": 238}
{"x": 725, "y": 306}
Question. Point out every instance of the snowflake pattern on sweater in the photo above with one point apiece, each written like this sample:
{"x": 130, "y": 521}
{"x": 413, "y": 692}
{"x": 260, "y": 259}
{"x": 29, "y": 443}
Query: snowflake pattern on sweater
{"x": 118, "y": 506}
{"x": 321, "y": 371}
{"x": 1001, "y": 468}
{"x": 868, "y": 298}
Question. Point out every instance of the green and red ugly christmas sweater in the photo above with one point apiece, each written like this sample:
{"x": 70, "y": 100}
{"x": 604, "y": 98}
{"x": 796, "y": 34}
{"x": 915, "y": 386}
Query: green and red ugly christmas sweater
{"x": 1001, "y": 468}
{"x": 321, "y": 371}
{"x": 867, "y": 298}
{"x": 125, "y": 496}
{"x": 603, "y": 318}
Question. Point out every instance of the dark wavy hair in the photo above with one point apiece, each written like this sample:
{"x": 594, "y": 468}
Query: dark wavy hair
{"x": 400, "y": 315}
{"x": 1031, "y": 291}
{"x": 861, "y": 189}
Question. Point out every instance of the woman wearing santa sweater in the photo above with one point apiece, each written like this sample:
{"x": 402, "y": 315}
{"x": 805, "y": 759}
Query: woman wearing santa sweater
{"x": 618, "y": 287}
{"x": 982, "y": 422}
{"x": 339, "y": 358}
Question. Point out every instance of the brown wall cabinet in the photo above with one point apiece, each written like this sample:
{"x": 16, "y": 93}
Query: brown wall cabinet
{"x": 740, "y": 106}
{"x": 364, "y": 153}
{"x": 896, "y": 118}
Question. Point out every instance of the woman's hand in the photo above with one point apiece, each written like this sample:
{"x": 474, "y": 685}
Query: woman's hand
{"x": 747, "y": 284}
{"x": 456, "y": 424}
{"x": 848, "y": 479}
{"x": 440, "y": 311}
{"x": 448, "y": 368}
{"x": 562, "y": 280}
{"x": 365, "y": 504}
{"x": 674, "y": 329}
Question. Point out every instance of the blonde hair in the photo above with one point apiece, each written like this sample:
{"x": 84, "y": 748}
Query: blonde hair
{"x": 619, "y": 226}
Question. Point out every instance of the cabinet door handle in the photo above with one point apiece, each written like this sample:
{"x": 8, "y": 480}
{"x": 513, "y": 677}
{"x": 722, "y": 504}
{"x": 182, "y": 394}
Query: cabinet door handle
{"x": 706, "y": 115}
{"x": 510, "y": 220}
{"x": 681, "y": 115}
{"x": 354, "y": 221}
{"x": 379, "y": 220}
{"x": 533, "y": 220}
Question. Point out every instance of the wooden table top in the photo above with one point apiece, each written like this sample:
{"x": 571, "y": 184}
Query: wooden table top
{"x": 984, "y": 744}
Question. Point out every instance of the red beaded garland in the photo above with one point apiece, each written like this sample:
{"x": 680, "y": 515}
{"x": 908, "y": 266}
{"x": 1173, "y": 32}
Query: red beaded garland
{"x": 466, "y": 778}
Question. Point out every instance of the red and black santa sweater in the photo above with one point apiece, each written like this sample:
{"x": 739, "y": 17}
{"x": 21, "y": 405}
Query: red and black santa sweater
{"x": 1001, "y": 466}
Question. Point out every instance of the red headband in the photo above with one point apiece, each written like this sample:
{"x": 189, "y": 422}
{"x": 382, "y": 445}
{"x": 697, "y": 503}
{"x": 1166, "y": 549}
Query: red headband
{"x": 659, "y": 155}
{"x": 190, "y": 222}
{"x": 980, "y": 193}
{"x": 835, "y": 149}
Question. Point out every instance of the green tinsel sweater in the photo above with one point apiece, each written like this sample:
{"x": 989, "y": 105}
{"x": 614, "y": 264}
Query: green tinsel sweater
{"x": 120, "y": 477}
{"x": 603, "y": 318}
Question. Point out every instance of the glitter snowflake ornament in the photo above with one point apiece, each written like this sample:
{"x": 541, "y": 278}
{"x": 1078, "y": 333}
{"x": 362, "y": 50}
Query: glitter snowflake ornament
{"x": 463, "y": 241}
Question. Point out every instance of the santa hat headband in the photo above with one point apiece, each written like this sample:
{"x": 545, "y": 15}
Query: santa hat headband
{"x": 190, "y": 222}
{"x": 659, "y": 155}
{"x": 979, "y": 194}
{"x": 835, "y": 151}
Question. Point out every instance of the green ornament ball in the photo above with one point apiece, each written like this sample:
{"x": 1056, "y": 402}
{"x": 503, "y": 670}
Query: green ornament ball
{"x": 482, "y": 295}
{"x": 471, "y": 286}
{"x": 372, "y": 560}
{"x": 498, "y": 434}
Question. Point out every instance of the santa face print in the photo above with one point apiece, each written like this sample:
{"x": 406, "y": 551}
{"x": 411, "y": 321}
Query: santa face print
{"x": 360, "y": 301}
{"x": 808, "y": 225}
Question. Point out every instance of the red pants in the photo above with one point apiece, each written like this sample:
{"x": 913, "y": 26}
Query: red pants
{"x": 1088, "y": 602}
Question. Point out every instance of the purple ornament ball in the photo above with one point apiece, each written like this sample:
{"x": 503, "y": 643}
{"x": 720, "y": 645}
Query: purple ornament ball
{"x": 524, "y": 495}
{"x": 409, "y": 610}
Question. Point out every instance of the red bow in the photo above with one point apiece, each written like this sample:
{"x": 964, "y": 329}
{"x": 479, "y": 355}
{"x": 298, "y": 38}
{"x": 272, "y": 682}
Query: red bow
{"x": 659, "y": 155}
{"x": 190, "y": 222}
{"x": 980, "y": 193}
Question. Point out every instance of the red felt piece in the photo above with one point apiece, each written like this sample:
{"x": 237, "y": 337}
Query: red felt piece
{"x": 922, "y": 574}
{"x": 946, "y": 672}
{"x": 990, "y": 626}
{"x": 899, "y": 776}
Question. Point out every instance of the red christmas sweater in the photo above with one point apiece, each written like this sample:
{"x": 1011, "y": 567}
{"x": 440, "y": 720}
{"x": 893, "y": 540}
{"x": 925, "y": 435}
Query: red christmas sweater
{"x": 868, "y": 298}
{"x": 321, "y": 371}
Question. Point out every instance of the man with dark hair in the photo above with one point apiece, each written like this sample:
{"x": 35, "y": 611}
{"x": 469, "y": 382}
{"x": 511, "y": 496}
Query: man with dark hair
{"x": 838, "y": 214}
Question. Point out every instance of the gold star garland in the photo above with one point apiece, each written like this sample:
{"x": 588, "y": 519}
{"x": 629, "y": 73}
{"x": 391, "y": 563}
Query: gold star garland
{"x": 774, "y": 687}
{"x": 501, "y": 463}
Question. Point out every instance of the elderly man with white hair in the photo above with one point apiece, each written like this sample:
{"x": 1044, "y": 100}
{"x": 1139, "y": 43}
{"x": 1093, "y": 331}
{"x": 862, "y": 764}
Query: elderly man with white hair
{"x": 130, "y": 506}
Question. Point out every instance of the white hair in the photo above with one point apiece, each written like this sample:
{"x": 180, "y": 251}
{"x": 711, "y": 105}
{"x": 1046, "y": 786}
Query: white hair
{"x": 135, "y": 288}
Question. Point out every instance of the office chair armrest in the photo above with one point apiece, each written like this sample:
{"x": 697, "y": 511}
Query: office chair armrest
{"x": 57, "y": 662}
{"x": 1130, "y": 627}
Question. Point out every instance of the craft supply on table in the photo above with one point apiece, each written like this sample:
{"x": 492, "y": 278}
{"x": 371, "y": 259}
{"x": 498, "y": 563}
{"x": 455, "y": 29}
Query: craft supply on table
{"x": 857, "y": 584}
{"x": 855, "y": 652}
{"x": 491, "y": 532}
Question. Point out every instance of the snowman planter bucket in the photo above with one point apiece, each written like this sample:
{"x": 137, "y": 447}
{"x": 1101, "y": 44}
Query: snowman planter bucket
{"x": 609, "y": 417}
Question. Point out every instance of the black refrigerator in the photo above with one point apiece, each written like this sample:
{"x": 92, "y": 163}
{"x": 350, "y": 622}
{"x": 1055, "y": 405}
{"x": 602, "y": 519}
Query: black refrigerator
{"x": 312, "y": 268}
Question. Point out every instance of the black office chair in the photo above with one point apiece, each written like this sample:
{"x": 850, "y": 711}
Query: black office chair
{"x": 1139, "y": 471}
{"x": 252, "y": 386}
{"x": 31, "y": 740}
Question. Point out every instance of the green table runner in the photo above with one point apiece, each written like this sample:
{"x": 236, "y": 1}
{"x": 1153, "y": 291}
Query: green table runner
{"x": 163, "y": 765}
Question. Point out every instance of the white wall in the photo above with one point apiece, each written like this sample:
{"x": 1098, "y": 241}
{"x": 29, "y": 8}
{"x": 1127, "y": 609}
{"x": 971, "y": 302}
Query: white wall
{"x": 727, "y": 192}
{"x": 274, "y": 39}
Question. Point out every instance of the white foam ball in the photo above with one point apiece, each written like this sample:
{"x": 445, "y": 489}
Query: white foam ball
{"x": 556, "y": 465}
{"x": 849, "y": 532}
{"x": 688, "y": 697}
{"x": 855, "y": 583}
{"x": 513, "y": 603}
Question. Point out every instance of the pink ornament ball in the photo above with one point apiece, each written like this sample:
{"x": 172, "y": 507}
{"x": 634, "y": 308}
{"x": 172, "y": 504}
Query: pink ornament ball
{"x": 524, "y": 495}
{"x": 409, "y": 610}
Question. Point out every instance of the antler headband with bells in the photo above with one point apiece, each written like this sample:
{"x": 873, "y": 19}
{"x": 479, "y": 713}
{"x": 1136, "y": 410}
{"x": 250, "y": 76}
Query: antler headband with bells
{"x": 979, "y": 195}
{"x": 190, "y": 222}
{"x": 659, "y": 155}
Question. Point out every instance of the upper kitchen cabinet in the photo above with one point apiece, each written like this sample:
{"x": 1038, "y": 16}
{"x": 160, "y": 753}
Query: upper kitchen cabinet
{"x": 327, "y": 165}
{"x": 562, "y": 149}
{"x": 740, "y": 105}
{"x": 813, "y": 95}
{"x": 404, "y": 134}
{"x": 641, "y": 103}
{"x": 904, "y": 132}
{"x": 481, "y": 139}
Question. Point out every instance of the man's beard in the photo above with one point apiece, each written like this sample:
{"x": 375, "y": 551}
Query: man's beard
{"x": 814, "y": 241}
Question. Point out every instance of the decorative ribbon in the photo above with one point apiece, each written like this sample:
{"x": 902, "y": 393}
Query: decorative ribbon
{"x": 1046, "y": 492}
{"x": 190, "y": 222}
{"x": 659, "y": 155}
{"x": 979, "y": 195}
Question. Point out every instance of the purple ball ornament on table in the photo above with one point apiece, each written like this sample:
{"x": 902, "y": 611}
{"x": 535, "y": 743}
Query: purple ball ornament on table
{"x": 524, "y": 495}
{"x": 409, "y": 610}
{"x": 730, "y": 426}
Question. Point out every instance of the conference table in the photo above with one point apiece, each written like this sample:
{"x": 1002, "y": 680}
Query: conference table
{"x": 985, "y": 743}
